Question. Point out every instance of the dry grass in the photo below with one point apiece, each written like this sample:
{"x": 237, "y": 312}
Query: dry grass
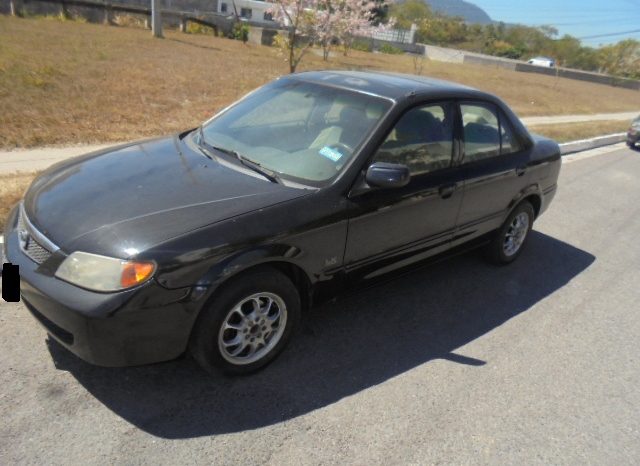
{"x": 574, "y": 131}
{"x": 12, "y": 187}
{"x": 68, "y": 82}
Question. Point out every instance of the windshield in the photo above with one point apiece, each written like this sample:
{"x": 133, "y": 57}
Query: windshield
{"x": 303, "y": 131}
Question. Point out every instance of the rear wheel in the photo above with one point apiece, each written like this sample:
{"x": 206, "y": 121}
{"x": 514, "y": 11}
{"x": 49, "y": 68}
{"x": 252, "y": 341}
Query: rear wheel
{"x": 247, "y": 324}
{"x": 512, "y": 236}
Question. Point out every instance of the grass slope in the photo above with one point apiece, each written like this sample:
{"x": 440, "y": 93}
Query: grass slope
{"x": 67, "y": 82}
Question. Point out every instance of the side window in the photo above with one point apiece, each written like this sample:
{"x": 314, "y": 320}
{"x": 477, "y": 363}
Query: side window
{"x": 481, "y": 132}
{"x": 421, "y": 140}
{"x": 510, "y": 143}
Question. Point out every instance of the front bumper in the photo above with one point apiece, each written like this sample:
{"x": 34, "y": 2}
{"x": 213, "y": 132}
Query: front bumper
{"x": 144, "y": 325}
{"x": 633, "y": 137}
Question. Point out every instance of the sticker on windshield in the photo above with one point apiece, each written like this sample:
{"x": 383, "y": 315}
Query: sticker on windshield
{"x": 330, "y": 153}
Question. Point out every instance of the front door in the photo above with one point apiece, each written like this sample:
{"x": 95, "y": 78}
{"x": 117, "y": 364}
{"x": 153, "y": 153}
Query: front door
{"x": 390, "y": 228}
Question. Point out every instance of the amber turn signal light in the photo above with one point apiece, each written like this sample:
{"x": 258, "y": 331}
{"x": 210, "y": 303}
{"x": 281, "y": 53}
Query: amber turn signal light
{"x": 134, "y": 273}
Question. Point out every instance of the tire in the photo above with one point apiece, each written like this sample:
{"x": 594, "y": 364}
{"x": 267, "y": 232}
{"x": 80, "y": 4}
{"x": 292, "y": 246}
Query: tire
{"x": 501, "y": 253}
{"x": 260, "y": 310}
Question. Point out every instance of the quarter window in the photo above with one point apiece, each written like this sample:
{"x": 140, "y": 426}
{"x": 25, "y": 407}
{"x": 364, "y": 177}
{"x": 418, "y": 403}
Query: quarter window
{"x": 422, "y": 139}
{"x": 509, "y": 143}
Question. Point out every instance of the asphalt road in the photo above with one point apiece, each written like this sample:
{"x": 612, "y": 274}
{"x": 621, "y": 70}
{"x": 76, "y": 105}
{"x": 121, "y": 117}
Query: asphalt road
{"x": 461, "y": 363}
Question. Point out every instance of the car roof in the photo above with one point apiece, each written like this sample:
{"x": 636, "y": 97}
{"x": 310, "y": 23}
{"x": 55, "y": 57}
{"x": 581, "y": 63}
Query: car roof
{"x": 393, "y": 86}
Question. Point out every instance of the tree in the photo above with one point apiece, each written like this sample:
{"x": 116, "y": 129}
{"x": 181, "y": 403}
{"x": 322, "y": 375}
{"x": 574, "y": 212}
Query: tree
{"x": 621, "y": 59}
{"x": 356, "y": 17}
{"x": 324, "y": 22}
{"x": 409, "y": 12}
{"x": 300, "y": 18}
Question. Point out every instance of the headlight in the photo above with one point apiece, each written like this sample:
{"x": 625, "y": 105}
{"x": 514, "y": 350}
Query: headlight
{"x": 102, "y": 273}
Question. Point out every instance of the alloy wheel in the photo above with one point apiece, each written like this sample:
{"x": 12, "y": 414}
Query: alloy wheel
{"x": 252, "y": 328}
{"x": 516, "y": 234}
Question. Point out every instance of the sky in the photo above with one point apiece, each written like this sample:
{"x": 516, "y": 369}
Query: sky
{"x": 580, "y": 18}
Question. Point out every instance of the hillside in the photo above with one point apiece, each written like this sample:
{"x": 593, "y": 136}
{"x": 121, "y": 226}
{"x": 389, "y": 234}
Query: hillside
{"x": 65, "y": 82}
{"x": 470, "y": 12}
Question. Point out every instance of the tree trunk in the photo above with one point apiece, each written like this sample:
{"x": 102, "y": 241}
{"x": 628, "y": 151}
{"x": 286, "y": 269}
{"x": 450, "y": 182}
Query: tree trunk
{"x": 292, "y": 45}
{"x": 326, "y": 49}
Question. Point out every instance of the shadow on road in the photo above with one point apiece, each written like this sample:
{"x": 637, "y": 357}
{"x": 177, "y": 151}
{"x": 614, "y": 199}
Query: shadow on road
{"x": 344, "y": 348}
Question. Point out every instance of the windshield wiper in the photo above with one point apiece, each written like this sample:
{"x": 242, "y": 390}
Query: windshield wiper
{"x": 251, "y": 164}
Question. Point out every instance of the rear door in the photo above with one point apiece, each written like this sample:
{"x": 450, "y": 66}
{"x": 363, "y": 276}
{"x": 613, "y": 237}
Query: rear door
{"x": 495, "y": 169}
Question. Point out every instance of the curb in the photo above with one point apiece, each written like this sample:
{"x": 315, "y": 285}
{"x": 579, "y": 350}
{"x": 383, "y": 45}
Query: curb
{"x": 586, "y": 144}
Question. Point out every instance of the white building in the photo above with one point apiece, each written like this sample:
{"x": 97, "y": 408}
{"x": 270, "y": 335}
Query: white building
{"x": 251, "y": 10}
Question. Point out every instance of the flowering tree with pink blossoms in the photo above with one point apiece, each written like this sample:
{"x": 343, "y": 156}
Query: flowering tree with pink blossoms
{"x": 324, "y": 22}
{"x": 340, "y": 20}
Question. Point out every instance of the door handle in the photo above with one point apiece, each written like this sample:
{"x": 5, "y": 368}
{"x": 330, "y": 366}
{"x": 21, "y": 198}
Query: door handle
{"x": 447, "y": 190}
{"x": 521, "y": 170}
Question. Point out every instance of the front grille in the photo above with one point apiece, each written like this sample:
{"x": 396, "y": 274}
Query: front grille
{"x": 32, "y": 248}
{"x": 36, "y": 251}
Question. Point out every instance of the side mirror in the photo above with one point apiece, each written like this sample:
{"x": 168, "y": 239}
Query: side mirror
{"x": 387, "y": 175}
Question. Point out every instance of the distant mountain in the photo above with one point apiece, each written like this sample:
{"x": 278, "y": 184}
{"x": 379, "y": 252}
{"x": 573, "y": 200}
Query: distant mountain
{"x": 470, "y": 12}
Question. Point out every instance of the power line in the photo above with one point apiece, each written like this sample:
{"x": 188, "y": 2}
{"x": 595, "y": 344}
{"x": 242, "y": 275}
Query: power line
{"x": 609, "y": 34}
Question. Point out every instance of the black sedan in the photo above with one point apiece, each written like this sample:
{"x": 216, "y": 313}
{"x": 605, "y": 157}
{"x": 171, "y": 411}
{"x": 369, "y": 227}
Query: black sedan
{"x": 215, "y": 241}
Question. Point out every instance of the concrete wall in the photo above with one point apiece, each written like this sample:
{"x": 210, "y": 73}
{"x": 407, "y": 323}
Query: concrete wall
{"x": 460, "y": 56}
{"x": 262, "y": 36}
{"x": 580, "y": 75}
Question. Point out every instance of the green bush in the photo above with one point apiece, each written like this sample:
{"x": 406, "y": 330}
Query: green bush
{"x": 361, "y": 45}
{"x": 388, "y": 48}
{"x": 241, "y": 32}
{"x": 196, "y": 28}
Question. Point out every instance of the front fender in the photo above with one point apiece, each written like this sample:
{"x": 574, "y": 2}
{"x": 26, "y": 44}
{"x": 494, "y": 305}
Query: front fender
{"x": 236, "y": 263}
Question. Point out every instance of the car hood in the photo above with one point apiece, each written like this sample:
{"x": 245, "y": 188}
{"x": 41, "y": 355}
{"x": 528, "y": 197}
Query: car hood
{"x": 126, "y": 199}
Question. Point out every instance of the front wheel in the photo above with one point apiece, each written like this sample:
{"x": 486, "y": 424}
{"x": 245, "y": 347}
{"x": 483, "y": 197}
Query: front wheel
{"x": 512, "y": 236}
{"x": 247, "y": 324}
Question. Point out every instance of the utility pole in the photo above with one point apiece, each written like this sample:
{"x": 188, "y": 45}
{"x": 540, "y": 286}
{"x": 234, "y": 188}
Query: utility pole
{"x": 156, "y": 19}
{"x": 15, "y": 7}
